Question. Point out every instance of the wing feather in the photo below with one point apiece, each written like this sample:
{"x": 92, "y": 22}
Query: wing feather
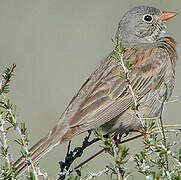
{"x": 105, "y": 94}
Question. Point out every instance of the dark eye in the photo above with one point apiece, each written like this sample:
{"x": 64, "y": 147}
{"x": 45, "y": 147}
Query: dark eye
{"x": 148, "y": 18}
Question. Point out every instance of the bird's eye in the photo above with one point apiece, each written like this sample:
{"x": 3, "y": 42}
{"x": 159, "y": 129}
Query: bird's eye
{"x": 148, "y": 18}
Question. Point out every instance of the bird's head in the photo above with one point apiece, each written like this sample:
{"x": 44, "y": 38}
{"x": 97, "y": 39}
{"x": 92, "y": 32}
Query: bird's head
{"x": 143, "y": 24}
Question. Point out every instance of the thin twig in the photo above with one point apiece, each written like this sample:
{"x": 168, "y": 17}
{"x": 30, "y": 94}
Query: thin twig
{"x": 4, "y": 143}
{"x": 25, "y": 145}
{"x": 5, "y": 81}
{"x": 122, "y": 142}
{"x": 177, "y": 98}
{"x": 130, "y": 87}
{"x": 168, "y": 131}
{"x": 102, "y": 150}
{"x": 163, "y": 134}
{"x": 72, "y": 155}
{"x": 118, "y": 173}
{"x": 87, "y": 160}
{"x": 93, "y": 175}
{"x": 172, "y": 125}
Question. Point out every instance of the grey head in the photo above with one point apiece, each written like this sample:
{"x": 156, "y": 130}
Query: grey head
{"x": 143, "y": 24}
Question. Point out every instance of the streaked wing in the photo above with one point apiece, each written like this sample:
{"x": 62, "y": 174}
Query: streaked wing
{"x": 105, "y": 94}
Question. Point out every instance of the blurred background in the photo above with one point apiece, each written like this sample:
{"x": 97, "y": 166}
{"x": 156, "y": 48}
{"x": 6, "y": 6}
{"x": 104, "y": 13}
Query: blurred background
{"x": 56, "y": 45}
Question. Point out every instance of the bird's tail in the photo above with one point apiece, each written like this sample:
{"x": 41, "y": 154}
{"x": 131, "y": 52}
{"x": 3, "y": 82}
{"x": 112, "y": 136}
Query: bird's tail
{"x": 58, "y": 135}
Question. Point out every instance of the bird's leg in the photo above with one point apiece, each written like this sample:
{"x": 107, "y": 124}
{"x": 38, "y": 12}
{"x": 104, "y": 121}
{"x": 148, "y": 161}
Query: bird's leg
{"x": 117, "y": 138}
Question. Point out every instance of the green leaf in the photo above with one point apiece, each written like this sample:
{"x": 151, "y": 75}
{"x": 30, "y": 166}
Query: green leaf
{"x": 97, "y": 132}
{"x": 123, "y": 75}
{"x": 179, "y": 155}
{"x": 112, "y": 168}
{"x": 116, "y": 55}
{"x": 73, "y": 176}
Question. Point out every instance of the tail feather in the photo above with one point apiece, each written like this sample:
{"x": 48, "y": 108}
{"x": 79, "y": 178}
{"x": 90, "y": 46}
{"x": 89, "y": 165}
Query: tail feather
{"x": 57, "y": 135}
{"x": 37, "y": 151}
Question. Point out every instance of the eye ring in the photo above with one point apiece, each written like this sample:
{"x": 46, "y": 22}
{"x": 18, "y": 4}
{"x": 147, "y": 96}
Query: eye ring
{"x": 148, "y": 18}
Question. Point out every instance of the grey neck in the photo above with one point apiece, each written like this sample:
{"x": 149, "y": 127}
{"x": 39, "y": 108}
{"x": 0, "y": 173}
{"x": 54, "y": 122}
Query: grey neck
{"x": 146, "y": 41}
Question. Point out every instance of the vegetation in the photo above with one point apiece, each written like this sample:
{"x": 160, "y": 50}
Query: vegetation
{"x": 159, "y": 158}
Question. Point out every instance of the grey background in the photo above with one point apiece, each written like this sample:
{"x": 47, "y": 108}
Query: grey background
{"x": 56, "y": 45}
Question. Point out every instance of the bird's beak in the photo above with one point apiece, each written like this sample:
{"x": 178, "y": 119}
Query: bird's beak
{"x": 165, "y": 15}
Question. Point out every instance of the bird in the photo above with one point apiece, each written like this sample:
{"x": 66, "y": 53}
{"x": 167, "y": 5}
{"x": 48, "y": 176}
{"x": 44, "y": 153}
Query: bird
{"x": 104, "y": 99}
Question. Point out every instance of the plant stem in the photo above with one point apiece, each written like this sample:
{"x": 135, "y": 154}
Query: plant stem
{"x": 102, "y": 150}
{"x": 163, "y": 135}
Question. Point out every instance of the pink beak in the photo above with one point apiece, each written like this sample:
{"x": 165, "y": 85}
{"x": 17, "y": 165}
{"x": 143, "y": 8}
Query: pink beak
{"x": 165, "y": 15}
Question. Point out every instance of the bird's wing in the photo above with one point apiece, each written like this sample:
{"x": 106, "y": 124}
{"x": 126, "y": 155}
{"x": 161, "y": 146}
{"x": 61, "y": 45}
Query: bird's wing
{"x": 105, "y": 94}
